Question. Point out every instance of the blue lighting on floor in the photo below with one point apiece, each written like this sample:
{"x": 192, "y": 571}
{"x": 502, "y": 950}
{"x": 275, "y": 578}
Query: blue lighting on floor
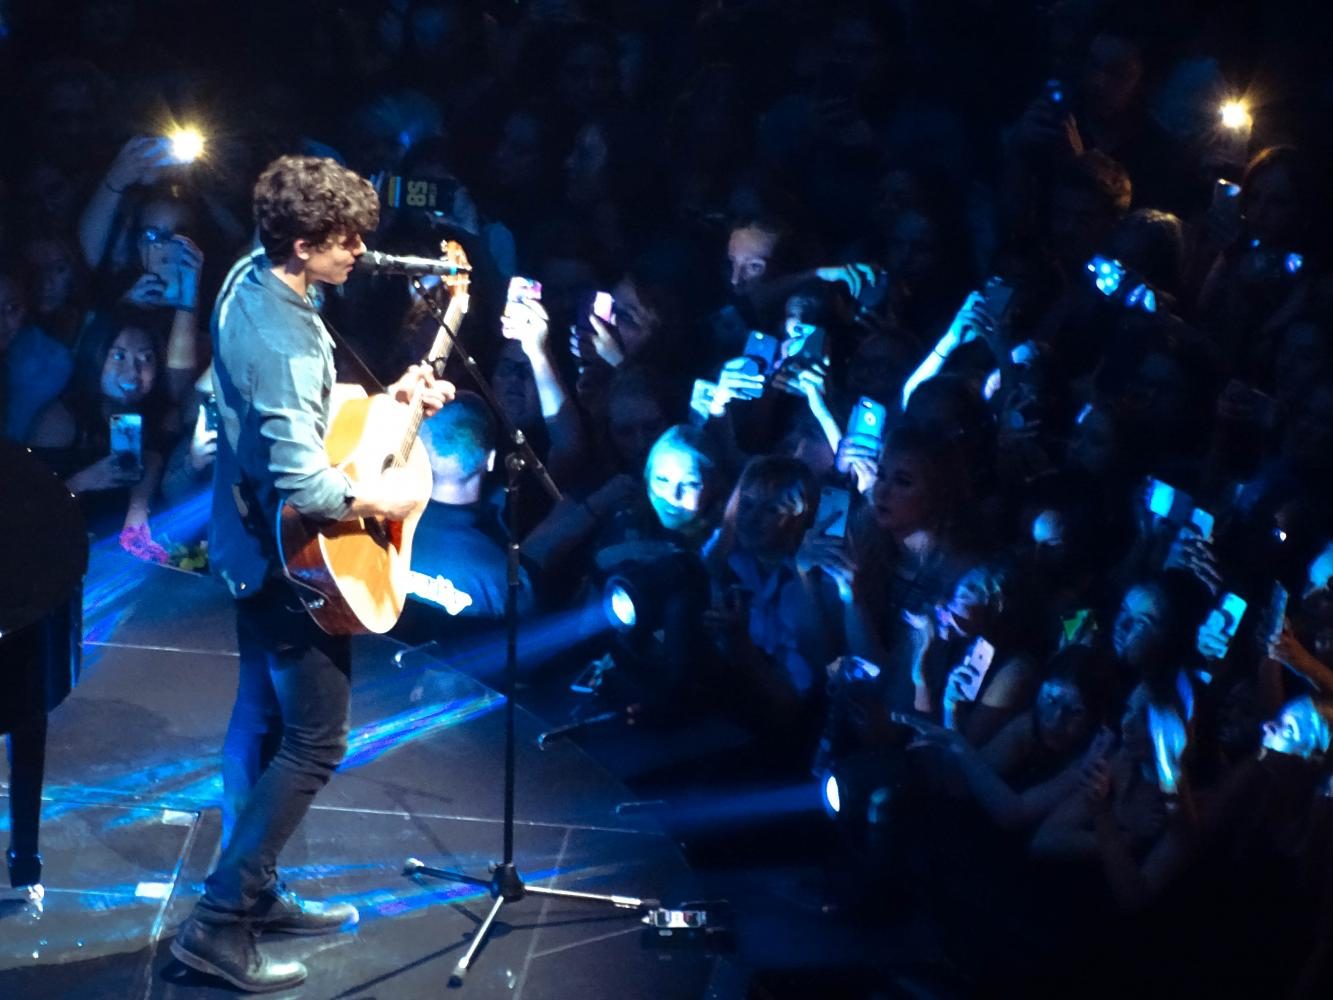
{"x": 379, "y": 738}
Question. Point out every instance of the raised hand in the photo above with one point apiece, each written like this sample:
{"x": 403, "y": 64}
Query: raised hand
{"x": 525, "y": 320}
{"x": 1193, "y": 553}
{"x": 819, "y": 551}
{"x": 963, "y": 680}
{"x": 606, "y": 341}
{"x": 738, "y": 380}
{"x": 147, "y": 292}
{"x": 191, "y": 264}
{"x": 859, "y": 455}
{"x": 142, "y": 160}
{"x": 856, "y": 277}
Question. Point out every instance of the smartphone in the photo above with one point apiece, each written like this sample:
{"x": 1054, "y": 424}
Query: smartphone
{"x": 210, "y": 408}
{"x": 764, "y": 348}
{"x": 1054, "y": 92}
{"x": 834, "y": 503}
{"x": 127, "y": 440}
{"x": 979, "y": 658}
{"x": 805, "y": 352}
{"x": 162, "y": 253}
{"x": 1227, "y": 615}
{"x": 867, "y": 420}
{"x": 1204, "y": 521}
{"x": 1161, "y": 498}
{"x": 857, "y": 668}
{"x": 603, "y": 306}
{"x": 1168, "y": 740}
{"x": 992, "y": 385}
{"x": 996, "y": 296}
{"x": 1107, "y": 274}
{"x": 524, "y": 289}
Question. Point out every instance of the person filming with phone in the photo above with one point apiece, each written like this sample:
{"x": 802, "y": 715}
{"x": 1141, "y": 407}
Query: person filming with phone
{"x": 108, "y": 433}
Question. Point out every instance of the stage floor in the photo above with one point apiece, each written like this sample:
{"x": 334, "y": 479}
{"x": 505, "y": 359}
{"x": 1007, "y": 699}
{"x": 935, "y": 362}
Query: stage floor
{"x": 131, "y": 827}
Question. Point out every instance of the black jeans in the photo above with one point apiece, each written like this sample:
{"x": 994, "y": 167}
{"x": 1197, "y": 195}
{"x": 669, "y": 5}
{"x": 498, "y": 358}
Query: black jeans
{"x": 286, "y": 737}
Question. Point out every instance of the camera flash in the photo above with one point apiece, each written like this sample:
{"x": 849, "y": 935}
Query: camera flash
{"x": 1236, "y": 116}
{"x": 187, "y": 144}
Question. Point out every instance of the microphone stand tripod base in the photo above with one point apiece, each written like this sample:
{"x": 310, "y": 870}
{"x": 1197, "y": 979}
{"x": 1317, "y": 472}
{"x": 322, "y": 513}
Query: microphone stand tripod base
{"x": 507, "y": 886}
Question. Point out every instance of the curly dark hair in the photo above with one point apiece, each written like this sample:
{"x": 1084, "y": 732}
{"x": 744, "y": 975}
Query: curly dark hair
{"x": 311, "y": 198}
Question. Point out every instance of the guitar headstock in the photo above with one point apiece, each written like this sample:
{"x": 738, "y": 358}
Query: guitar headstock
{"x": 453, "y": 253}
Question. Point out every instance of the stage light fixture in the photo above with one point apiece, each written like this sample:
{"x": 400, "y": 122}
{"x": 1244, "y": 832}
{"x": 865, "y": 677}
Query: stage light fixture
{"x": 619, "y": 604}
{"x": 832, "y": 794}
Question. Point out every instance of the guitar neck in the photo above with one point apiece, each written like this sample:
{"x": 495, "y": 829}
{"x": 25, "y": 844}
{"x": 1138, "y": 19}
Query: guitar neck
{"x": 440, "y": 348}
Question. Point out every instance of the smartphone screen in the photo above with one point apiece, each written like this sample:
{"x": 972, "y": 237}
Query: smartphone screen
{"x": 1232, "y": 609}
{"x": 834, "y": 503}
{"x": 127, "y": 439}
{"x": 603, "y": 305}
{"x": 1161, "y": 498}
{"x": 524, "y": 289}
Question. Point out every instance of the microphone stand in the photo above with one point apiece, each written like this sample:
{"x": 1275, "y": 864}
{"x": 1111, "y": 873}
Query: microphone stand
{"x": 505, "y": 883}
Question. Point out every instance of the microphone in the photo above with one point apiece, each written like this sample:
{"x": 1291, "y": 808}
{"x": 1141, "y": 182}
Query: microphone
{"x": 388, "y": 263}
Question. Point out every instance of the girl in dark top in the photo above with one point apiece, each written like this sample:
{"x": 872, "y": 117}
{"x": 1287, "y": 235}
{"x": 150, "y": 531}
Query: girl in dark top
{"x": 119, "y": 373}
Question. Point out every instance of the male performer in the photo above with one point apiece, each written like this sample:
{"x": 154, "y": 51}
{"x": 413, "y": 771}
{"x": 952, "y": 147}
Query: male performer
{"x": 273, "y": 376}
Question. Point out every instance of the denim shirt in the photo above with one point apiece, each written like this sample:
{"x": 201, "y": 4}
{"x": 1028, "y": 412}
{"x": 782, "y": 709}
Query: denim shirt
{"x": 273, "y": 377}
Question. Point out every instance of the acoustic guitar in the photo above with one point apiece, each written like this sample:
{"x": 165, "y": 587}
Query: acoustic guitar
{"x": 353, "y": 576}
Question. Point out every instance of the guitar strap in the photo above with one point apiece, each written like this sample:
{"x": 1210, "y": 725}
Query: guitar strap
{"x": 341, "y": 341}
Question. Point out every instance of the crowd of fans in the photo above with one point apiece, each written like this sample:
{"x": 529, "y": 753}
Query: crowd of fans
{"x": 1052, "y": 605}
